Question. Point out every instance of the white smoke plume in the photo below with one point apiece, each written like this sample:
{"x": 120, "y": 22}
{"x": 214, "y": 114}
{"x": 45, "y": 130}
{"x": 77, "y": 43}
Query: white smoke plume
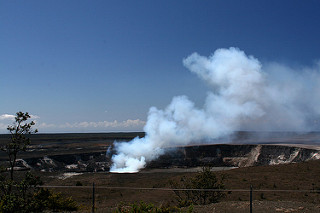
{"x": 244, "y": 96}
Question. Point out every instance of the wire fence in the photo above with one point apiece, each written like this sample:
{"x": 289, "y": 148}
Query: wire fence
{"x": 99, "y": 197}
{"x": 178, "y": 189}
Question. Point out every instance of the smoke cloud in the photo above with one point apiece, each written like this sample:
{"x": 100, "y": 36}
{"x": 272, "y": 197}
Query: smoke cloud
{"x": 243, "y": 96}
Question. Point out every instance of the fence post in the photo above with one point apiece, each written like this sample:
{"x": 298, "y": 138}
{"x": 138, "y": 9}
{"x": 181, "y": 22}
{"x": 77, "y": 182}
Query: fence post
{"x": 93, "y": 197}
{"x": 250, "y": 198}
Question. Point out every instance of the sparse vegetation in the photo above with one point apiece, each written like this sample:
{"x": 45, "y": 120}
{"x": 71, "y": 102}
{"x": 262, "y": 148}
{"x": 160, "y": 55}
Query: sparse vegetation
{"x": 22, "y": 194}
{"x": 78, "y": 183}
{"x": 144, "y": 207}
{"x": 277, "y": 177}
{"x": 45, "y": 199}
{"x": 19, "y": 141}
{"x": 207, "y": 180}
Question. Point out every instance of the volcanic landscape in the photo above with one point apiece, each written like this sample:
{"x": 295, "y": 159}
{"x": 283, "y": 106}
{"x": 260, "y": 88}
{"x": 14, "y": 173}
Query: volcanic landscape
{"x": 267, "y": 161}
{"x": 88, "y": 152}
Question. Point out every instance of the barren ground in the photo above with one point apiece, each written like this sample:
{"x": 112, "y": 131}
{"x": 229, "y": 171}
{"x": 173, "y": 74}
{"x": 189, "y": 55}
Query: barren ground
{"x": 297, "y": 176}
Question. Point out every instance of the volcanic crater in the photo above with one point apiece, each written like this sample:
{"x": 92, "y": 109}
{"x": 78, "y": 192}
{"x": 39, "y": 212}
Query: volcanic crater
{"x": 87, "y": 152}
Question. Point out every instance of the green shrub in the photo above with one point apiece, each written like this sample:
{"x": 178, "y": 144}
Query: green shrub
{"x": 144, "y": 207}
{"x": 78, "y": 183}
{"x": 206, "y": 180}
{"x": 45, "y": 199}
{"x": 23, "y": 194}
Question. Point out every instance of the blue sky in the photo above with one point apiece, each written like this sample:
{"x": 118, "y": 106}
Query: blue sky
{"x": 98, "y": 66}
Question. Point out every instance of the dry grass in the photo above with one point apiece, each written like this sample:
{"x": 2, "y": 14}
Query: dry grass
{"x": 299, "y": 176}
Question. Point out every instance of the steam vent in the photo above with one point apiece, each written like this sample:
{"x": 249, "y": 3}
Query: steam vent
{"x": 244, "y": 149}
{"x": 87, "y": 152}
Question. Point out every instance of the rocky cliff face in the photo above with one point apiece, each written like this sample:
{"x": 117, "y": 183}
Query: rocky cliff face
{"x": 83, "y": 162}
{"x": 233, "y": 155}
{"x": 221, "y": 155}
